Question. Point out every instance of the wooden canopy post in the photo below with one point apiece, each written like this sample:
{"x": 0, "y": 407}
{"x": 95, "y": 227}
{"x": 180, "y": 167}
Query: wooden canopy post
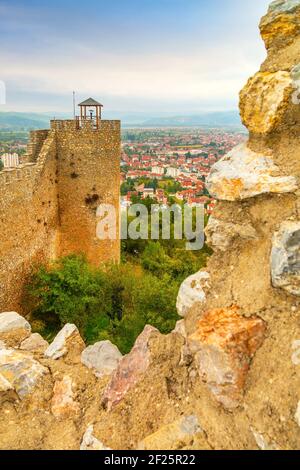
{"x": 88, "y": 104}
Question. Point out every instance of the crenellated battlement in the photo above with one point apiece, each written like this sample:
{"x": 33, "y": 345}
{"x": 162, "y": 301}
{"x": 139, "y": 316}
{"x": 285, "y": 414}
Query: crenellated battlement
{"x": 21, "y": 173}
{"x": 30, "y": 170}
{"x": 84, "y": 125}
{"x": 35, "y": 144}
{"x": 58, "y": 125}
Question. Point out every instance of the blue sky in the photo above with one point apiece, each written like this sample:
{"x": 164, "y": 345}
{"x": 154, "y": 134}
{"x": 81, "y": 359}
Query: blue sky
{"x": 156, "y": 56}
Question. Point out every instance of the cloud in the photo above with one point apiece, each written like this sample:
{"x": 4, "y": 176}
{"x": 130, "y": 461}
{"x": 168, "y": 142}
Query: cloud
{"x": 192, "y": 73}
{"x": 213, "y": 73}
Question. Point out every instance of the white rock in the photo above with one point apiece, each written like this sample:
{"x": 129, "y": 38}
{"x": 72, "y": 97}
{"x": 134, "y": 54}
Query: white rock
{"x": 34, "y": 343}
{"x": 180, "y": 328}
{"x": 89, "y": 442}
{"x": 297, "y": 415}
{"x": 11, "y": 321}
{"x": 284, "y": 6}
{"x": 192, "y": 292}
{"x": 103, "y": 358}
{"x": 221, "y": 234}
{"x": 296, "y": 352}
{"x": 263, "y": 443}
{"x": 285, "y": 258}
{"x": 243, "y": 174}
{"x": 59, "y": 347}
{"x": 21, "y": 371}
{"x": 2, "y": 345}
{"x": 5, "y": 385}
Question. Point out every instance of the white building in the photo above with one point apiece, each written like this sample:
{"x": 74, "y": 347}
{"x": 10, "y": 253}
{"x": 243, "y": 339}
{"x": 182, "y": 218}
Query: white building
{"x": 158, "y": 170}
{"x": 173, "y": 172}
{"x": 148, "y": 192}
{"x": 10, "y": 160}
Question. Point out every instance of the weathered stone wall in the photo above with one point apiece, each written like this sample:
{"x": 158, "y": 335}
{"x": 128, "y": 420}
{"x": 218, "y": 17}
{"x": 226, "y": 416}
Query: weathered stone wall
{"x": 36, "y": 141}
{"x": 88, "y": 175}
{"x": 48, "y": 205}
{"x": 28, "y": 221}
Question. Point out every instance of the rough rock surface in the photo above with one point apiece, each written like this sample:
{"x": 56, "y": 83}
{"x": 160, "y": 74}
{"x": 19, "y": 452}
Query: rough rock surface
{"x": 265, "y": 99}
{"x": 285, "y": 258}
{"x": 35, "y": 343}
{"x": 263, "y": 443}
{"x": 297, "y": 414}
{"x": 191, "y": 292}
{"x": 67, "y": 342}
{"x": 221, "y": 234}
{"x": 5, "y": 385}
{"x": 13, "y": 328}
{"x": 224, "y": 344}
{"x": 21, "y": 371}
{"x": 7, "y": 392}
{"x": 282, "y": 23}
{"x": 180, "y": 328}
{"x": 183, "y": 433}
{"x": 130, "y": 369}
{"x": 63, "y": 404}
{"x": 89, "y": 442}
{"x": 103, "y": 358}
{"x": 243, "y": 174}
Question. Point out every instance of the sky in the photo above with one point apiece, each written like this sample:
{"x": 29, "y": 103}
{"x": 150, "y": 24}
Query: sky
{"x": 135, "y": 56}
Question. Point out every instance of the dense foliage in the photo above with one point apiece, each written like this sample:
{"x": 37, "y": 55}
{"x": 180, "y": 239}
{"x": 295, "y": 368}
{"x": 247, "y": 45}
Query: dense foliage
{"x": 113, "y": 303}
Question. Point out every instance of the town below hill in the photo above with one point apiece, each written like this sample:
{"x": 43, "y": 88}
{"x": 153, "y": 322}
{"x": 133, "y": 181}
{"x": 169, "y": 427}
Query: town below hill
{"x": 171, "y": 166}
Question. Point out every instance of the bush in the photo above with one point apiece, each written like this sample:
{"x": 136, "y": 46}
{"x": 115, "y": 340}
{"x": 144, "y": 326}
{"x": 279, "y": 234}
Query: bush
{"x": 113, "y": 303}
{"x": 177, "y": 262}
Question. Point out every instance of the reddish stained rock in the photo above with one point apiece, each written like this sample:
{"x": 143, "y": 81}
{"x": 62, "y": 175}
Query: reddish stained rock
{"x": 63, "y": 404}
{"x": 224, "y": 344}
{"x": 130, "y": 370}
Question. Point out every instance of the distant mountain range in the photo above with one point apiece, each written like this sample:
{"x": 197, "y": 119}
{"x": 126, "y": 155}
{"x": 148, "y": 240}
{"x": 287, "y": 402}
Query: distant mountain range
{"x": 18, "y": 121}
{"x": 26, "y": 121}
{"x": 228, "y": 118}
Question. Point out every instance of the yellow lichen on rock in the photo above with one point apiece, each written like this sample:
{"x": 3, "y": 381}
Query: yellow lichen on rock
{"x": 264, "y": 100}
{"x": 282, "y": 29}
{"x": 281, "y": 24}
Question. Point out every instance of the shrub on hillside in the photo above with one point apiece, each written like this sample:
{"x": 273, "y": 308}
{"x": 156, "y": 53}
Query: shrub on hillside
{"x": 113, "y": 303}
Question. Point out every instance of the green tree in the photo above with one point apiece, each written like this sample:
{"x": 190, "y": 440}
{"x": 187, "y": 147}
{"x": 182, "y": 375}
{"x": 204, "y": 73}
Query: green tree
{"x": 114, "y": 302}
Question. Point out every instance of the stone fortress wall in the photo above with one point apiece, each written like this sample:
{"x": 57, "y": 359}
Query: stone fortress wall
{"x": 48, "y": 204}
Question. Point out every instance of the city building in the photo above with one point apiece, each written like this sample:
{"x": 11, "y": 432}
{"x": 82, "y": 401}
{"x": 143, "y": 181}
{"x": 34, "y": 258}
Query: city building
{"x": 10, "y": 160}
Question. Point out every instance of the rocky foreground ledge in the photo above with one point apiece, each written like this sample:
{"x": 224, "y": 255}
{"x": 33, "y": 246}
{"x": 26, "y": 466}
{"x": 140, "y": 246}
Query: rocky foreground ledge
{"x": 52, "y": 396}
{"x": 66, "y": 395}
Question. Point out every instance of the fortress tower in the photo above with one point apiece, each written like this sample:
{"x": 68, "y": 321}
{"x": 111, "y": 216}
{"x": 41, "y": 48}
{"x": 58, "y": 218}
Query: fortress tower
{"x": 48, "y": 204}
